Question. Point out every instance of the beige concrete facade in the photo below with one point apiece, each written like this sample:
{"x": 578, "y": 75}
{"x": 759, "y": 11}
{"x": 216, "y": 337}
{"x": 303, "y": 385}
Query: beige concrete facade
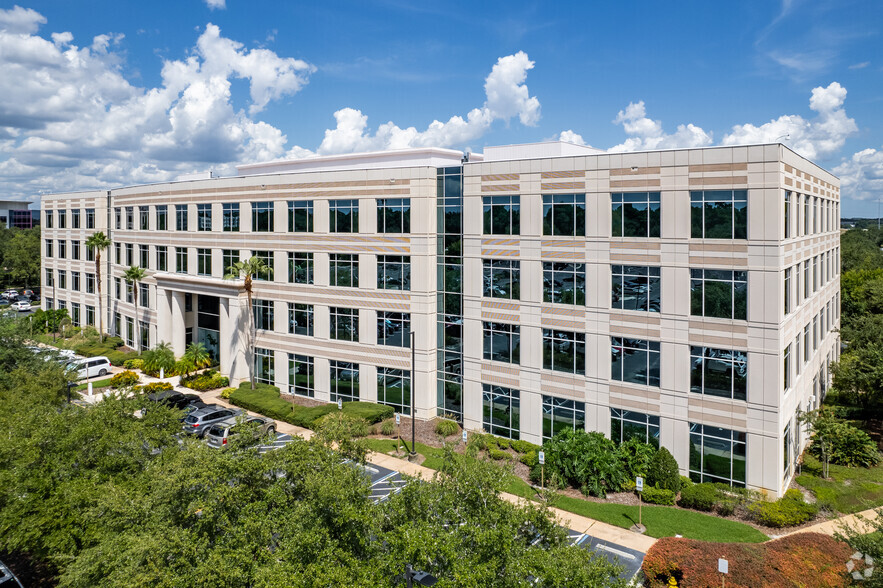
{"x": 766, "y": 172}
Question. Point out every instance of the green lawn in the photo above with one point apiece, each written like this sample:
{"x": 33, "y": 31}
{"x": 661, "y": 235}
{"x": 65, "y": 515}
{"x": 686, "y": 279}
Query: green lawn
{"x": 95, "y": 385}
{"x": 849, "y": 490}
{"x": 661, "y": 521}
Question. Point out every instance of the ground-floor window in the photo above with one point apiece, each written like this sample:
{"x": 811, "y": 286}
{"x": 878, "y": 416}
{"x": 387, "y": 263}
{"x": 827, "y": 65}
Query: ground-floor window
{"x": 560, "y": 414}
{"x": 627, "y": 424}
{"x": 130, "y": 332}
{"x": 264, "y": 366}
{"x": 301, "y": 375}
{"x": 717, "y": 455}
{"x": 786, "y": 447}
{"x": 394, "y": 389}
{"x": 144, "y": 333}
{"x": 75, "y": 313}
{"x": 502, "y": 411}
{"x": 344, "y": 381}
{"x": 90, "y": 315}
{"x": 117, "y": 324}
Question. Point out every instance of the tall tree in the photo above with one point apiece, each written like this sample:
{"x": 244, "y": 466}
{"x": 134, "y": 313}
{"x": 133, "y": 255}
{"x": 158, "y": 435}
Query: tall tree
{"x": 22, "y": 256}
{"x": 161, "y": 357}
{"x": 248, "y": 270}
{"x": 133, "y": 276}
{"x": 98, "y": 242}
{"x": 195, "y": 357}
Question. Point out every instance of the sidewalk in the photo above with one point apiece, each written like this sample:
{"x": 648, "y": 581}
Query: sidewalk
{"x": 596, "y": 529}
{"x": 836, "y": 525}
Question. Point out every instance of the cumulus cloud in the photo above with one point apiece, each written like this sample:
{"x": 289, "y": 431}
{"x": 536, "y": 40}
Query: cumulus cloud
{"x": 571, "y": 137}
{"x": 815, "y": 138}
{"x": 507, "y": 96}
{"x": 646, "y": 133}
{"x": 217, "y": 4}
{"x": 861, "y": 176}
{"x": 70, "y": 120}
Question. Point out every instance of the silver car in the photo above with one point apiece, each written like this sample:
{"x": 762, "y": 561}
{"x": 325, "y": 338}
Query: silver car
{"x": 219, "y": 433}
{"x": 199, "y": 421}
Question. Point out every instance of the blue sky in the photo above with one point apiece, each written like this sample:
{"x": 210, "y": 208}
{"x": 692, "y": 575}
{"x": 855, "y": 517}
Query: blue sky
{"x": 97, "y": 94}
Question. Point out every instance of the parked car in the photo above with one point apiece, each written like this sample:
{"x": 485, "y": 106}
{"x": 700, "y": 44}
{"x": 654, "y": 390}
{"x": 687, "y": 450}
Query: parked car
{"x": 21, "y": 305}
{"x": 199, "y": 421}
{"x": 90, "y": 367}
{"x": 173, "y": 398}
{"x": 219, "y": 434}
{"x": 191, "y": 408}
{"x": 12, "y": 294}
{"x": 30, "y": 294}
{"x": 7, "y": 578}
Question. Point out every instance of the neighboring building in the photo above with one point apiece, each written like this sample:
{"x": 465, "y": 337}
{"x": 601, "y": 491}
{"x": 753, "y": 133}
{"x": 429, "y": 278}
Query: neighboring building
{"x": 688, "y": 297}
{"x": 15, "y": 214}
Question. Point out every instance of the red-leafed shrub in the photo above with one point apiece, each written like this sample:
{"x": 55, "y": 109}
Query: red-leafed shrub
{"x": 801, "y": 559}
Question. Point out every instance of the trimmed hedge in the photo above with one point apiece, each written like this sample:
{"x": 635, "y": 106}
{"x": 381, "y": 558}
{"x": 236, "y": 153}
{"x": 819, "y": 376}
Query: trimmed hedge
{"x": 787, "y": 511}
{"x": 699, "y": 496}
{"x": 658, "y": 496}
{"x": 207, "y": 380}
{"x": 801, "y": 559}
{"x": 124, "y": 379}
{"x": 154, "y": 387}
{"x": 264, "y": 399}
{"x": 446, "y": 427}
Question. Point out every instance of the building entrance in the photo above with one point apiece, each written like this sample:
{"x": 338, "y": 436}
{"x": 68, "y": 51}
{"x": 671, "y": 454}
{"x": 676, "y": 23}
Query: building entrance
{"x": 208, "y": 324}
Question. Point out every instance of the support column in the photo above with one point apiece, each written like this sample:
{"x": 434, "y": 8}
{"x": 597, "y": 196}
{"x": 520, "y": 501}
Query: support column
{"x": 177, "y": 326}
{"x": 232, "y": 340}
{"x": 163, "y": 316}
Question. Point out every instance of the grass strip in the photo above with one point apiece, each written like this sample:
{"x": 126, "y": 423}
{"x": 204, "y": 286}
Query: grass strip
{"x": 95, "y": 385}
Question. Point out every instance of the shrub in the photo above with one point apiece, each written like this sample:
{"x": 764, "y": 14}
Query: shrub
{"x": 845, "y": 444}
{"x": 529, "y": 459}
{"x": 801, "y": 559}
{"x": 227, "y": 392}
{"x": 658, "y": 496}
{"x": 522, "y": 446}
{"x": 446, "y": 427}
{"x": 133, "y": 364}
{"x": 368, "y": 411}
{"x": 699, "y": 496}
{"x": 207, "y": 380}
{"x": 501, "y": 442}
{"x": 726, "y": 507}
{"x": 156, "y": 387}
{"x": 497, "y": 454}
{"x": 343, "y": 424}
{"x": 635, "y": 456}
{"x": 479, "y": 440}
{"x": 588, "y": 461}
{"x": 124, "y": 380}
{"x": 118, "y": 358}
{"x": 663, "y": 472}
{"x": 787, "y": 511}
{"x": 264, "y": 399}
{"x": 685, "y": 481}
{"x": 388, "y": 427}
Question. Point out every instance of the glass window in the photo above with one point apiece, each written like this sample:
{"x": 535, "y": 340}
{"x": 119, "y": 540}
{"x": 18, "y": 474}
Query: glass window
{"x": 90, "y": 315}
{"x": 75, "y": 281}
{"x": 300, "y": 216}
{"x": 90, "y": 254}
{"x": 117, "y": 215}
{"x": 143, "y": 218}
{"x": 117, "y": 288}
{"x": 627, "y": 424}
{"x": 181, "y": 260}
{"x": 719, "y": 293}
{"x": 143, "y": 256}
{"x": 564, "y": 283}
{"x": 204, "y": 262}
{"x": 62, "y": 249}
{"x": 262, "y": 216}
{"x": 635, "y": 214}
{"x": 75, "y": 218}
{"x": 562, "y": 414}
{"x": 502, "y": 342}
{"x": 634, "y": 361}
{"x": 344, "y": 323}
{"x": 162, "y": 217}
{"x": 344, "y": 270}
{"x": 144, "y": 335}
{"x": 787, "y": 214}
{"x": 300, "y": 267}
{"x": 230, "y": 258}
{"x": 787, "y": 290}
{"x": 75, "y": 314}
{"x": 263, "y": 314}
{"x": 75, "y": 249}
{"x": 90, "y": 219}
{"x": 719, "y": 214}
{"x": 264, "y": 366}
{"x": 502, "y": 215}
{"x": 130, "y": 218}
{"x": 181, "y": 217}
{"x": 143, "y": 295}
{"x": 62, "y": 219}
{"x": 162, "y": 261}
{"x": 564, "y": 214}
{"x": 268, "y": 258}
{"x": 786, "y": 366}
{"x": 130, "y": 332}
{"x": 48, "y": 219}
{"x": 394, "y": 272}
{"x": 300, "y": 319}
{"x": 130, "y": 254}
{"x": 564, "y": 351}
{"x": 502, "y": 411}
{"x": 48, "y": 247}
{"x": 502, "y": 279}
{"x": 344, "y": 216}
{"x": 90, "y": 283}
{"x": 394, "y": 328}
{"x": 394, "y": 389}
{"x": 203, "y": 217}
{"x": 636, "y": 288}
{"x": 807, "y": 216}
{"x": 393, "y": 215}
{"x": 717, "y": 455}
{"x": 230, "y": 217}
{"x": 301, "y": 375}
{"x": 117, "y": 248}
{"x": 344, "y": 381}
{"x": 719, "y": 372}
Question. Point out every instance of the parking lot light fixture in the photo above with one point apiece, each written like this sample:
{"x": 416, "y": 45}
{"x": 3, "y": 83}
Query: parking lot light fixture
{"x": 414, "y": 577}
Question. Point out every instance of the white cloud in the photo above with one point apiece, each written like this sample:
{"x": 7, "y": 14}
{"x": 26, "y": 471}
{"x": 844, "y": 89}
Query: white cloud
{"x": 570, "y": 137}
{"x": 507, "y": 96}
{"x": 646, "y": 133}
{"x": 861, "y": 176}
{"x": 216, "y": 4}
{"x": 814, "y": 138}
{"x": 70, "y": 120}
{"x": 861, "y": 65}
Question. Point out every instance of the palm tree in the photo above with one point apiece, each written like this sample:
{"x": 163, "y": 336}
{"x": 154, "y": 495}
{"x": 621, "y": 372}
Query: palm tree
{"x": 254, "y": 267}
{"x": 133, "y": 276}
{"x": 98, "y": 242}
{"x": 195, "y": 357}
{"x": 159, "y": 358}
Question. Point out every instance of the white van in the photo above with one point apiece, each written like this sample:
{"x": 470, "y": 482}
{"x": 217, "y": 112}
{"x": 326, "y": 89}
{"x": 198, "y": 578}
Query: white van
{"x": 91, "y": 367}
